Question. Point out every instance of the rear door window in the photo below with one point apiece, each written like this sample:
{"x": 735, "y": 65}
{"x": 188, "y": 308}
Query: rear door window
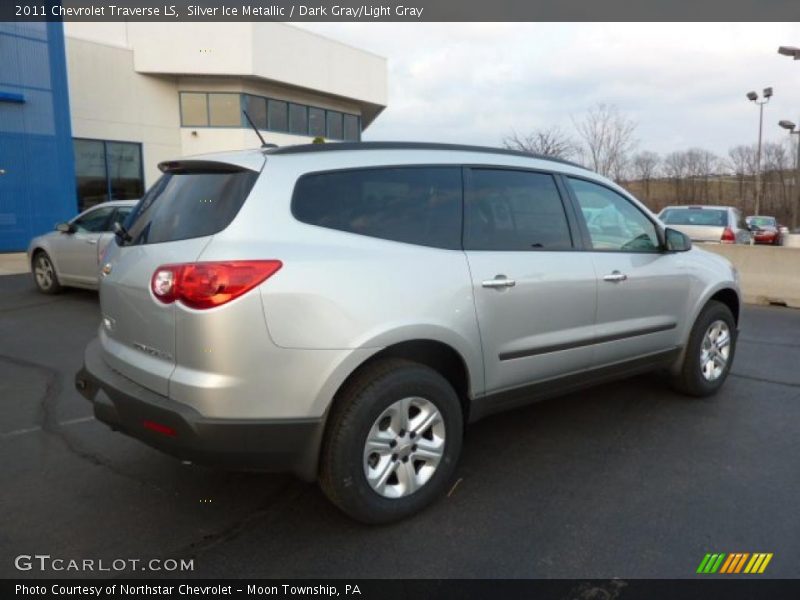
{"x": 416, "y": 205}
{"x": 188, "y": 204}
{"x": 514, "y": 210}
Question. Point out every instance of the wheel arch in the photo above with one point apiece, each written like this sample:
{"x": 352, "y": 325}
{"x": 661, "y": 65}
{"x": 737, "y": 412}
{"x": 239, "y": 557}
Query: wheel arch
{"x": 435, "y": 354}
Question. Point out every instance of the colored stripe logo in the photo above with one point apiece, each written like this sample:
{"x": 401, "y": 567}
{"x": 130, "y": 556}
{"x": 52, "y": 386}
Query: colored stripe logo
{"x": 736, "y": 562}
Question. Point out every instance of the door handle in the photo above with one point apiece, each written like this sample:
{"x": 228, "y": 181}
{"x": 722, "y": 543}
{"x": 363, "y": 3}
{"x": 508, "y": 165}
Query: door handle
{"x": 91, "y": 242}
{"x": 499, "y": 282}
{"x": 615, "y": 277}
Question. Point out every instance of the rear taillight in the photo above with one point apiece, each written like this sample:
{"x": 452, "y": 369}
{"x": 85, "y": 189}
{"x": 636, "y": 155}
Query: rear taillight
{"x": 209, "y": 284}
{"x": 728, "y": 236}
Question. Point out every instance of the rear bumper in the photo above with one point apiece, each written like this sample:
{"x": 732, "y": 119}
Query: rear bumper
{"x": 265, "y": 445}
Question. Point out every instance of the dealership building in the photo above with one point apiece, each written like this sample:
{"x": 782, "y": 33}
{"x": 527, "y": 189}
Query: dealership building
{"x": 88, "y": 110}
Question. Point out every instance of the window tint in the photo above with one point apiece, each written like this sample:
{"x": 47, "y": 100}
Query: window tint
{"x": 94, "y": 221}
{"x": 316, "y": 122}
{"x": 256, "y": 108}
{"x": 695, "y": 216}
{"x": 351, "y": 128}
{"x": 278, "y": 115}
{"x": 514, "y": 210}
{"x": 191, "y": 204}
{"x": 416, "y": 205}
{"x": 107, "y": 171}
{"x": 298, "y": 119}
{"x": 124, "y": 162}
{"x": 194, "y": 109}
{"x": 614, "y": 223}
{"x": 334, "y": 125}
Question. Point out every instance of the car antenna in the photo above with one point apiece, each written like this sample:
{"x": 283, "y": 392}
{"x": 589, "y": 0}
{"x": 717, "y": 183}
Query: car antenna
{"x": 258, "y": 133}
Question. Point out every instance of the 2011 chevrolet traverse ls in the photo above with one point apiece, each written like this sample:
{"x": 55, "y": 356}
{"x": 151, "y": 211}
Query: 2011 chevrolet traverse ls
{"x": 343, "y": 310}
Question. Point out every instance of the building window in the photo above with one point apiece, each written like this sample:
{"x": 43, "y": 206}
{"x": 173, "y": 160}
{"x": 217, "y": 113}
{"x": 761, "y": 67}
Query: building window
{"x": 298, "y": 119}
{"x": 316, "y": 122}
{"x": 352, "y": 130}
{"x": 194, "y": 109}
{"x": 107, "y": 170}
{"x": 278, "y": 115}
{"x": 224, "y": 110}
{"x": 334, "y": 125}
{"x": 256, "y": 108}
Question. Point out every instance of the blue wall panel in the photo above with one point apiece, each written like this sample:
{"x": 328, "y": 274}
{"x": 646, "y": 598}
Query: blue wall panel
{"x": 37, "y": 172}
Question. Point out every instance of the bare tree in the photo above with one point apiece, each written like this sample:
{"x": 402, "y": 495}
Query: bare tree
{"x": 675, "y": 169}
{"x": 545, "y": 142}
{"x": 700, "y": 166}
{"x": 742, "y": 161}
{"x": 777, "y": 191}
{"x": 645, "y": 167}
{"x": 608, "y": 139}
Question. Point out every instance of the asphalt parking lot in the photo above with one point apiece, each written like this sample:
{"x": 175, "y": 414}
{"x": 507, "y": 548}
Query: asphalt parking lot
{"x": 627, "y": 480}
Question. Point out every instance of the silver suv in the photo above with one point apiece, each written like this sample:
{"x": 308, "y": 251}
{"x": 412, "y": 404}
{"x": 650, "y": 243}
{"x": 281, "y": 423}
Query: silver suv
{"x": 342, "y": 311}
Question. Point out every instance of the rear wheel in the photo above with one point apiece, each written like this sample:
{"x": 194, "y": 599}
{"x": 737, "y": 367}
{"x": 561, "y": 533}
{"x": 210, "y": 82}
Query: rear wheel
{"x": 709, "y": 353}
{"x": 392, "y": 443}
{"x": 44, "y": 273}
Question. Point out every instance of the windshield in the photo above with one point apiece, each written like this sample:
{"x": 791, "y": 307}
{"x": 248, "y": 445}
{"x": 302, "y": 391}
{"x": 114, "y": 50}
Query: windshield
{"x": 709, "y": 217}
{"x": 188, "y": 204}
{"x": 762, "y": 221}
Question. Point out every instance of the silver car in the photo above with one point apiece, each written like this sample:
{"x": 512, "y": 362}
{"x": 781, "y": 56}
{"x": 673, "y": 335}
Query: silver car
{"x": 69, "y": 255}
{"x": 342, "y": 311}
{"x": 708, "y": 224}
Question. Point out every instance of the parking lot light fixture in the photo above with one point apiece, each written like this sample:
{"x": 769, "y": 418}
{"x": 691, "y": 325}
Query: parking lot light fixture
{"x": 792, "y": 51}
{"x": 753, "y": 97}
{"x": 791, "y": 128}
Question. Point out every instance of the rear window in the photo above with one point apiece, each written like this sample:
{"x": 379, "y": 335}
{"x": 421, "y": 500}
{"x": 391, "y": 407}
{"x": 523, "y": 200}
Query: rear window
{"x": 188, "y": 204}
{"x": 416, "y": 205}
{"x": 709, "y": 217}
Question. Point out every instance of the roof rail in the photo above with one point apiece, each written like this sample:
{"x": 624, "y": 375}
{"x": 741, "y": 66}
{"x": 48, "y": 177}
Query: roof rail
{"x": 349, "y": 146}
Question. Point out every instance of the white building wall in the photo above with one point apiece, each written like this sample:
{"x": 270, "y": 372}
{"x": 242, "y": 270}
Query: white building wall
{"x": 125, "y": 80}
{"x": 110, "y": 101}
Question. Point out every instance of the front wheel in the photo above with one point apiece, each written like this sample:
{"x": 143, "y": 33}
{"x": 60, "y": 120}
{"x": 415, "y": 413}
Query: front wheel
{"x": 392, "y": 442}
{"x": 709, "y": 353}
{"x": 44, "y": 274}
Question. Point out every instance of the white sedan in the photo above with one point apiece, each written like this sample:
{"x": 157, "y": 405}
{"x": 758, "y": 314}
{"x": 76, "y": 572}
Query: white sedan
{"x": 70, "y": 255}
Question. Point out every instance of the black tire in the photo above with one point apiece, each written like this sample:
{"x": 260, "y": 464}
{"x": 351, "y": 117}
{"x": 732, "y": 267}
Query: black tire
{"x": 46, "y": 285}
{"x": 690, "y": 379}
{"x": 359, "y": 405}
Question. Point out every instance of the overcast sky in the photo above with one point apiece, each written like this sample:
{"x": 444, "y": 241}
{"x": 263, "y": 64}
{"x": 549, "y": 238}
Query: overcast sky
{"x": 684, "y": 84}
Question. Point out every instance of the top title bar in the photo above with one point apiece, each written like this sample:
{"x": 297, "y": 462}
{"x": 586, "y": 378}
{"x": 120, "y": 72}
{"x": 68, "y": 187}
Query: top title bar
{"x": 395, "y": 11}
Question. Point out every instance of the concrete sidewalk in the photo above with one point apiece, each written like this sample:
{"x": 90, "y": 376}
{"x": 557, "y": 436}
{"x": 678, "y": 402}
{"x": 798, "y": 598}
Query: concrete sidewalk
{"x": 13, "y": 263}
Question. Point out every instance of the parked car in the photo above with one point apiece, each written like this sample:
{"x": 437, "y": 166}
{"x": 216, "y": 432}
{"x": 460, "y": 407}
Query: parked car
{"x": 343, "y": 310}
{"x": 765, "y": 230}
{"x": 710, "y": 224}
{"x": 70, "y": 255}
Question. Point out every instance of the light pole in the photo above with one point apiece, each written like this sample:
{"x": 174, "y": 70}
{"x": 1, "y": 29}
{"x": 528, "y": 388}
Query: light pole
{"x": 792, "y": 130}
{"x": 794, "y": 52}
{"x": 753, "y": 97}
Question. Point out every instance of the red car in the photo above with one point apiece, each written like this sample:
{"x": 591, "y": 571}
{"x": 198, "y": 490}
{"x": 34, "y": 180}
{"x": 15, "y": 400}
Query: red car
{"x": 765, "y": 230}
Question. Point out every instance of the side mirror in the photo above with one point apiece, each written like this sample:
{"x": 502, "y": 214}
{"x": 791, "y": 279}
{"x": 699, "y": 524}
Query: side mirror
{"x": 65, "y": 228}
{"x": 677, "y": 241}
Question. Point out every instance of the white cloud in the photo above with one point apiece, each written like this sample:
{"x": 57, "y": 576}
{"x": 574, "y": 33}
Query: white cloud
{"x": 684, "y": 83}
